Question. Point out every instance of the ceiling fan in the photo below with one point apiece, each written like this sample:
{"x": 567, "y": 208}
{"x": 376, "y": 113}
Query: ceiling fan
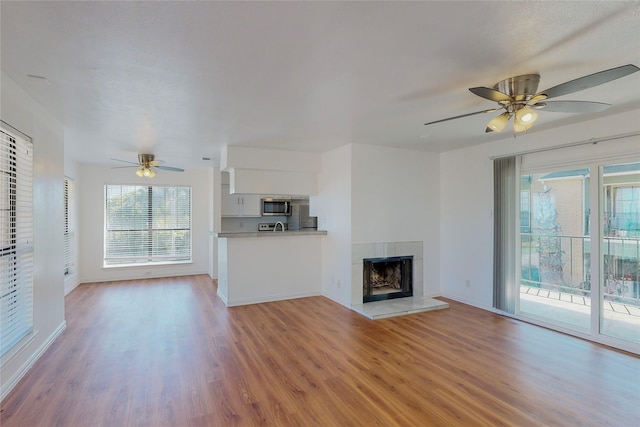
{"x": 518, "y": 98}
{"x": 146, "y": 165}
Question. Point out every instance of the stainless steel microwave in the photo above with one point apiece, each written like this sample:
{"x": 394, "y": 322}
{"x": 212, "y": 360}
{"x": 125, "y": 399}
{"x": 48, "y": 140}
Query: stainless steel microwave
{"x": 276, "y": 207}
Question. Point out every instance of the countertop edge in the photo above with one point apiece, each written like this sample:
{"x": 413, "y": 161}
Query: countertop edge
{"x": 271, "y": 234}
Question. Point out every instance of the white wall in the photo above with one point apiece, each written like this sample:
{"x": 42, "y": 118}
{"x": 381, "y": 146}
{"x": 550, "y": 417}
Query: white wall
{"x": 332, "y": 205}
{"x": 466, "y": 224}
{"x": 91, "y": 193}
{"x": 396, "y": 198}
{"x": 266, "y": 268}
{"x": 23, "y": 113}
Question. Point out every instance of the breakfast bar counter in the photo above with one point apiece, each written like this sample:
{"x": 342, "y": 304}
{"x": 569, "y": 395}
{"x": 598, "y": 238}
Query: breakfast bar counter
{"x": 255, "y": 267}
{"x": 295, "y": 233}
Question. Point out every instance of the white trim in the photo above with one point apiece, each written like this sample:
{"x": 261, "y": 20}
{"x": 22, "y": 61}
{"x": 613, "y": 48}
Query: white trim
{"x": 71, "y": 282}
{"x": 271, "y": 298}
{"x": 592, "y": 160}
{"x": 472, "y": 303}
{"x": 14, "y": 130}
{"x": 597, "y": 339}
{"x": 147, "y": 264}
{"x": 22, "y": 371}
{"x": 222, "y": 297}
{"x": 141, "y": 277}
{"x": 14, "y": 351}
{"x": 596, "y": 257}
{"x": 623, "y": 149}
{"x": 592, "y": 141}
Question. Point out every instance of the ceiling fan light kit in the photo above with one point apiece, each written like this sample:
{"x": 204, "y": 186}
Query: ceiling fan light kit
{"x": 518, "y": 97}
{"x": 146, "y": 165}
{"x": 145, "y": 173}
{"x": 526, "y": 116}
{"x": 498, "y": 123}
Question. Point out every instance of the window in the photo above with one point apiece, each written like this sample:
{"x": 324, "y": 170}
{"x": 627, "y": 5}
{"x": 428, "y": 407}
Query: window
{"x": 68, "y": 226}
{"x": 16, "y": 237}
{"x": 147, "y": 225}
{"x": 621, "y": 210}
{"x": 582, "y": 281}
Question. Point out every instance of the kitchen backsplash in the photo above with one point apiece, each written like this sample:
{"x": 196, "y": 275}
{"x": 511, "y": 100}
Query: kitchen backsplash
{"x": 242, "y": 224}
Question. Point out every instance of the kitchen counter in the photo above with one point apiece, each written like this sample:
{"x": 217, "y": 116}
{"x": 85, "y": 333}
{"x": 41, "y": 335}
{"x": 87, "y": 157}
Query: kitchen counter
{"x": 255, "y": 267}
{"x": 293, "y": 233}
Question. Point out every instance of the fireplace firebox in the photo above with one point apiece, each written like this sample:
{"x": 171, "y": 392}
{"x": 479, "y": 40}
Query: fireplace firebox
{"x": 387, "y": 278}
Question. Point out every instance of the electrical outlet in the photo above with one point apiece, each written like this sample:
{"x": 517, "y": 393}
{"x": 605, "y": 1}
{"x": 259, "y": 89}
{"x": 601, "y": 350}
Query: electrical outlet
{"x": 468, "y": 283}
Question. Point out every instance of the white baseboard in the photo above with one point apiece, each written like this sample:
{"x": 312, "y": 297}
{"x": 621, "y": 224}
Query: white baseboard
{"x": 471, "y": 303}
{"x": 15, "y": 379}
{"x": 70, "y": 283}
{"x": 271, "y": 298}
{"x": 222, "y": 297}
{"x": 139, "y": 276}
{"x": 597, "y": 338}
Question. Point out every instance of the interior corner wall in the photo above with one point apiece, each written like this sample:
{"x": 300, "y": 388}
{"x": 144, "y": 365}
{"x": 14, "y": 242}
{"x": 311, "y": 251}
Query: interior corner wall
{"x": 466, "y": 201}
{"x": 332, "y": 205}
{"x": 24, "y": 114}
{"x": 214, "y": 219}
{"x": 466, "y": 226}
{"x": 92, "y": 179}
{"x": 72, "y": 280}
{"x": 396, "y": 198}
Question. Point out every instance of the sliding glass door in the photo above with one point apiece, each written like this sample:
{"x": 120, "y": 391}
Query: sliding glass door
{"x": 566, "y": 277}
{"x": 620, "y": 248}
{"x": 554, "y": 246}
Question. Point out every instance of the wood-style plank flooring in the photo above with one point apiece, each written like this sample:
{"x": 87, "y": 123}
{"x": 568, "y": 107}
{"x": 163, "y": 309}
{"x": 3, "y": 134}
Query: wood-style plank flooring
{"x": 166, "y": 352}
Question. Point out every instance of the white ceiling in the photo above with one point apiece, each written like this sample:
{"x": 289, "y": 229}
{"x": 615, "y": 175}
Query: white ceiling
{"x": 183, "y": 79}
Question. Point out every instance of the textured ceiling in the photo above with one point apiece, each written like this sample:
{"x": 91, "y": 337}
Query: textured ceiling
{"x": 183, "y": 79}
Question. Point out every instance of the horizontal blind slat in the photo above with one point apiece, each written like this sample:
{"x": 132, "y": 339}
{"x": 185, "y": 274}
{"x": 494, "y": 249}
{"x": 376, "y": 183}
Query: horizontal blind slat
{"x": 147, "y": 224}
{"x": 16, "y": 238}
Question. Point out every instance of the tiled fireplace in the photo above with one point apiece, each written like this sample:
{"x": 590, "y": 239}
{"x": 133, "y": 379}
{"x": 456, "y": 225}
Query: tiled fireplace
{"x": 387, "y": 278}
{"x": 396, "y": 267}
{"x": 395, "y": 271}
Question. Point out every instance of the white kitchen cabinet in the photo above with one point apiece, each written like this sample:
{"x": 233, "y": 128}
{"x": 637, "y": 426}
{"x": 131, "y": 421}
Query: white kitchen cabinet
{"x": 239, "y": 204}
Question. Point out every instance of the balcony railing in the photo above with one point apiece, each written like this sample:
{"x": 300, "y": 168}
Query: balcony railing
{"x": 562, "y": 263}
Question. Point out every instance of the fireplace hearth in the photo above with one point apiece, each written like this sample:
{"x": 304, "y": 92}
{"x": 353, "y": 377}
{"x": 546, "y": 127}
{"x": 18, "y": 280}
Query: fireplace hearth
{"x": 387, "y": 278}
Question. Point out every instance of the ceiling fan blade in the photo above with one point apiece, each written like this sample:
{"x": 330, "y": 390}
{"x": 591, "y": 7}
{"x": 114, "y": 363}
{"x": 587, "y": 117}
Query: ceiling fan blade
{"x": 572, "y": 106}
{"x": 169, "y": 168}
{"x": 125, "y": 161}
{"x": 490, "y": 94}
{"x": 463, "y": 115}
{"x": 589, "y": 81}
{"x": 125, "y": 167}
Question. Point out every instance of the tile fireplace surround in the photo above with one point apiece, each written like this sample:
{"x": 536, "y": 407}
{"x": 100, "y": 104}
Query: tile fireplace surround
{"x": 393, "y": 307}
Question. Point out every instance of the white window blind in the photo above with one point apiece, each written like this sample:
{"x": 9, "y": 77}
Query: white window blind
{"x": 68, "y": 225}
{"x": 16, "y": 237}
{"x": 147, "y": 224}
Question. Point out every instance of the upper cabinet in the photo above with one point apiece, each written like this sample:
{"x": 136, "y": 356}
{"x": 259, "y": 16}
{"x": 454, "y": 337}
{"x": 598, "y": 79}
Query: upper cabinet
{"x": 239, "y": 204}
{"x": 264, "y": 171}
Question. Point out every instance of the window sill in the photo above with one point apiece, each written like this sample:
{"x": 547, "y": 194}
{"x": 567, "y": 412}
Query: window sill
{"x": 147, "y": 264}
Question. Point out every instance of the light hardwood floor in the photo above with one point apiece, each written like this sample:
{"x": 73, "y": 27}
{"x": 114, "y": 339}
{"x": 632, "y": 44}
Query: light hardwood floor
{"x": 166, "y": 352}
